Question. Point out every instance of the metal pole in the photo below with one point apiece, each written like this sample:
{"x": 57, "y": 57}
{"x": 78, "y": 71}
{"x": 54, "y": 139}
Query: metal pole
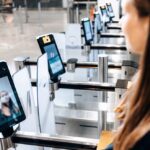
{"x": 6, "y": 144}
{"x": 26, "y": 11}
{"x": 102, "y": 77}
{"x": 87, "y": 9}
{"x": 19, "y": 64}
{"x": 39, "y": 11}
{"x": 20, "y": 21}
{"x": 77, "y": 13}
{"x": 68, "y": 10}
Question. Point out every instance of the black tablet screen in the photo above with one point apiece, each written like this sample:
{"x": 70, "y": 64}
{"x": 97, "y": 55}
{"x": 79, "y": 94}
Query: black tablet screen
{"x": 87, "y": 30}
{"x": 104, "y": 12}
{"x": 55, "y": 65}
{"x": 98, "y": 21}
{"x": 11, "y": 111}
{"x": 110, "y": 8}
{"x": 54, "y": 60}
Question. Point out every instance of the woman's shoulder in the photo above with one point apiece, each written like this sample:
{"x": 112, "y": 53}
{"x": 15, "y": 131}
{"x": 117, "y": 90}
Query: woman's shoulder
{"x": 143, "y": 143}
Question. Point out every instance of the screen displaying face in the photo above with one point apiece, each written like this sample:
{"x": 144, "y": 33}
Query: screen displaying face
{"x": 9, "y": 109}
{"x": 88, "y": 31}
{"x": 53, "y": 58}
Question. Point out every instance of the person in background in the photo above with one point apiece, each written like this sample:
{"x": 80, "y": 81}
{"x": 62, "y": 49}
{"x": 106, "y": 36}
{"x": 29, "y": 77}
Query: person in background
{"x": 134, "y": 109}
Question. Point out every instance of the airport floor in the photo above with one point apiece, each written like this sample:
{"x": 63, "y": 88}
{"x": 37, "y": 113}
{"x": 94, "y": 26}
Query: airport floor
{"x": 18, "y": 38}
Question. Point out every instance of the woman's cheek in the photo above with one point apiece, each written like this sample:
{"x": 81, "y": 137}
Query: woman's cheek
{"x": 125, "y": 27}
{"x": 128, "y": 30}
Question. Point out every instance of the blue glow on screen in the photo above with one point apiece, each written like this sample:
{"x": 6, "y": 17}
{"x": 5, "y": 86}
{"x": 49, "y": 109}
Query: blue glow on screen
{"x": 88, "y": 30}
{"x": 53, "y": 58}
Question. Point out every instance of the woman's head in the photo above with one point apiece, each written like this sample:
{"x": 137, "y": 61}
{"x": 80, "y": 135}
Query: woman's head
{"x": 136, "y": 27}
{"x": 135, "y": 24}
{"x": 4, "y": 97}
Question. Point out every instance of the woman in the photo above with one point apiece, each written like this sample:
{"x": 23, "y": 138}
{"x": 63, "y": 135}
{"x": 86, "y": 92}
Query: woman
{"x": 134, "y": 134}
{"x": 8, "y": 110}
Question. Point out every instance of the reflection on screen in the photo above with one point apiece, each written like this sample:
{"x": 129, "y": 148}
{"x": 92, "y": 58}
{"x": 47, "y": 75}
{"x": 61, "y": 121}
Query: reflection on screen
{"x": 9, "y": 109}
{"x": 53, "y": 58}
{"x": 88, "y": 30}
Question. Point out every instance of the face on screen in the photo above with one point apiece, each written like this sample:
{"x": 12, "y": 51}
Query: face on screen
{"x": 88, "y": 30}
{"x": 9, "y": 109}
{"x": 53, "y": 58}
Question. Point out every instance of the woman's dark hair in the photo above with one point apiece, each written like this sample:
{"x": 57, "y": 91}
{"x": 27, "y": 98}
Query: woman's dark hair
{"x": 137, "y": 121}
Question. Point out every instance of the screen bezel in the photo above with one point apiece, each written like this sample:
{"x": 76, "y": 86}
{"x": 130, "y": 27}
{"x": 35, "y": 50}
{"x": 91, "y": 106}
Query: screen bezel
{"x": 83, "y": 25}
{"x": 42, "y": 45}
{"x": 4, "y": 72}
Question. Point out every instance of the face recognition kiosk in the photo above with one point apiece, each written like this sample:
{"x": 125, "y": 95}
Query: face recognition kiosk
{"x": 87, "y": 29}
{"x": 98, "y": 22}
{"x": 104, "y": 14}
{"x": 55, "y": 65}
{"x": 11, "y": 110}
{"x": 110, "y": 10}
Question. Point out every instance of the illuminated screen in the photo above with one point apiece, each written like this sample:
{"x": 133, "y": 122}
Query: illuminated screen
{"x": 88, "y": 31}
{"x": 98, "y": 21}
{"x": 54, "y": 60}
{"x": 104, "y": 12}
{"x": 110, "y": 8}
{"x": 110, "y": 11}
{"x": 9, "y": 108}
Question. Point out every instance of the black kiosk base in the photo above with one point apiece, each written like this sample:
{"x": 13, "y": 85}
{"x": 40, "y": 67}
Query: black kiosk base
{"x": 8, "y": 132}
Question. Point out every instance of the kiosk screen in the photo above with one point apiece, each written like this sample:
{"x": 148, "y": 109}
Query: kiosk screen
{"x": 98, "y": 21}
{"x": 54, "y": 60}
{"x": 103, "y": 11}
{"x": 48, "y": 45}
{"x": 87, "y": 30}
{"x": 11, "y": 111}
{"x": 109, "y": 8}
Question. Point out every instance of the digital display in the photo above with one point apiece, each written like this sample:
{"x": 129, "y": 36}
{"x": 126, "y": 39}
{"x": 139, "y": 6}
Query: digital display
{"x": 10, "y": 111}
{"x": 109, "y": 8}
{"x": 104, "y": 12}
{"x": 88, "y": 31}
{"x": 98, "y": 22}
{"x": 55, "y": 65}
{"x": 54, "y": 60}
{"x": 105, "y": 15}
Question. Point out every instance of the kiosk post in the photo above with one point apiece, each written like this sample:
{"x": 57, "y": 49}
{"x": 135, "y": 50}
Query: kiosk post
{"x": 102, "y": 77}
{"x": 86, "y": 50}
{"x": 19, "y": 64}
{"x": 7, "y": 143}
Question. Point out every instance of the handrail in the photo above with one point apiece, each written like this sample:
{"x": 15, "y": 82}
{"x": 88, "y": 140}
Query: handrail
{"x": 54, "y": 141}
